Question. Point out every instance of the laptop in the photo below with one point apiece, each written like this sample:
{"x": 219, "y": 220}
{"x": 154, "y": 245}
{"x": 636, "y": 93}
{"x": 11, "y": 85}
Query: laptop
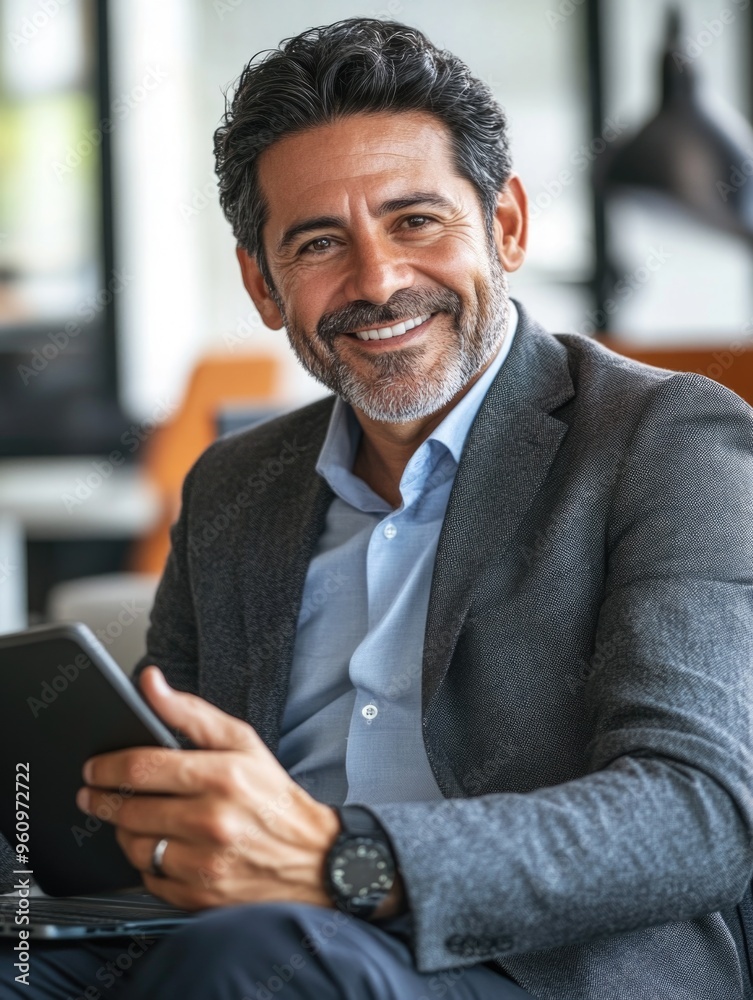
{"x": 129, "y": 913}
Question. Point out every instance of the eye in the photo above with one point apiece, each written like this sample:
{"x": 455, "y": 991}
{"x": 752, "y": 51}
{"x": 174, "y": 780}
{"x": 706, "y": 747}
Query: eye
{"x": 421, "y": 219}
{"x": 312, "y": 247}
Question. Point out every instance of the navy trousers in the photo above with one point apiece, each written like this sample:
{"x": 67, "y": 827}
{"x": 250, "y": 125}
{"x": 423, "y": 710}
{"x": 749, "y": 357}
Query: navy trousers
{"x": 257, "y": 952}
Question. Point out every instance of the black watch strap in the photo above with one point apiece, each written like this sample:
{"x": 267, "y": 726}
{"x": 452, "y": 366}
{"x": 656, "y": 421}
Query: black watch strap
{"x": 359, "y": 821}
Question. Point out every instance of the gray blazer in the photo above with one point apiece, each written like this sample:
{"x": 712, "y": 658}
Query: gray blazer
{"x": 587, "y": 669}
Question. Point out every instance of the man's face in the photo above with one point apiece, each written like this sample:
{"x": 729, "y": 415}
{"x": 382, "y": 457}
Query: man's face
{"x": 370, "y": 228}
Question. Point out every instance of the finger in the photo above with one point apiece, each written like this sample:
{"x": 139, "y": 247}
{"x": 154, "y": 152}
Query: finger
{"x": 139, "y": 850}
{"x": 159, "y": 769}
{"x": 152, "y": 815}
{"x": 207, "y": 725}
{"x": 138, "y": 769}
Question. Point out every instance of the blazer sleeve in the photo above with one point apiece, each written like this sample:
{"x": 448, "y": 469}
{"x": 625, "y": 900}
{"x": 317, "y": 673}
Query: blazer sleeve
{"x": 659, "y": 829}
{"x": 171, "y": 639}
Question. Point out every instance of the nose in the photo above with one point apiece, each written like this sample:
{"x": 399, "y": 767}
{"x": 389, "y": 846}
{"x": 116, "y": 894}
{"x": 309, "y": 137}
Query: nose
{"x": 378, "y": 269}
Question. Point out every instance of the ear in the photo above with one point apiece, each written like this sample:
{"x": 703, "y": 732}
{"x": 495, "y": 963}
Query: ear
{"x": 511, "y": 224}
{"x": 256, "y": 287}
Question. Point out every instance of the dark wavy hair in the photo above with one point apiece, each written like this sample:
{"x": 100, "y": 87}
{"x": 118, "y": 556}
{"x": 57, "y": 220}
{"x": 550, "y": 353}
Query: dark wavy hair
{"x": 354, "y": 66}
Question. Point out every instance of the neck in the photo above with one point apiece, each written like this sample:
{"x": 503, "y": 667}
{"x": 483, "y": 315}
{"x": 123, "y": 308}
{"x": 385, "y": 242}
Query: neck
{"x": 386, "y": 448}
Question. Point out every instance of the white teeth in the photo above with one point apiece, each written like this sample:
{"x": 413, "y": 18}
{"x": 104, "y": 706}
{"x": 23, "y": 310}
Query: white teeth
{"x": 385, "y": 332}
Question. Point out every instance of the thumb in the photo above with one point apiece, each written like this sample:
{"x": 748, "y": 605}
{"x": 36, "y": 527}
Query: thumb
{"x": 208, "y": 726}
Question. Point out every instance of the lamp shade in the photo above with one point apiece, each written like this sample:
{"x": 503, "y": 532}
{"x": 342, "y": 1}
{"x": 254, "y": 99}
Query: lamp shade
{"x": 696, "y": 149}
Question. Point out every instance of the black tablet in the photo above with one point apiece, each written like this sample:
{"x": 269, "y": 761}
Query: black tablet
{"x": 63, "y": 699}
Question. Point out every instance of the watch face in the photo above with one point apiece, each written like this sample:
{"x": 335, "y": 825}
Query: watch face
{"x": 362, "y": 868}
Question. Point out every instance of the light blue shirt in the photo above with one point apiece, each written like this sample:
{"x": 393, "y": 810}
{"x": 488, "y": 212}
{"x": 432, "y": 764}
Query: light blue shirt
{"x": 351, "y": 729}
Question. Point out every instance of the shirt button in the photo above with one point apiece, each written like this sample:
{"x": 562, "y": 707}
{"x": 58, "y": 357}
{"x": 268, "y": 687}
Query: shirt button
{"x": 369, "y": 712}
{"x": 390, "y": 531}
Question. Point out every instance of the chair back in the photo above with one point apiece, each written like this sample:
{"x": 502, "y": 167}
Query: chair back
{"x": 218, "y": 382}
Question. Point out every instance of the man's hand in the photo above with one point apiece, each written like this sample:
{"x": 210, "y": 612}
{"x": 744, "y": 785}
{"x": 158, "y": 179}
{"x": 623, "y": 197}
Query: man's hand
{"x": 239, "y": 828}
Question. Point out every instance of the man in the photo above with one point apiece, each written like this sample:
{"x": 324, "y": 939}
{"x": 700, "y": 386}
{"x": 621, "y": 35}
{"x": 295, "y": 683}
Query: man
{"x": 496, "y": 598}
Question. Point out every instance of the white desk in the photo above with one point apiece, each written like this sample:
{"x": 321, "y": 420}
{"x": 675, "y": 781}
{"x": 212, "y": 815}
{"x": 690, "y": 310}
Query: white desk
{"x": 63, "y": 498}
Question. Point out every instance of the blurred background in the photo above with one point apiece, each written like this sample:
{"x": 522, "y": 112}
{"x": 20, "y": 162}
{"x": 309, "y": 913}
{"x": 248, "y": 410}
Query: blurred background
{"x": 127, "y": 341}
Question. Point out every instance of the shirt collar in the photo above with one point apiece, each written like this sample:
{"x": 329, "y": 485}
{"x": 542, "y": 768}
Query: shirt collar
{"x": 340, "y": 445}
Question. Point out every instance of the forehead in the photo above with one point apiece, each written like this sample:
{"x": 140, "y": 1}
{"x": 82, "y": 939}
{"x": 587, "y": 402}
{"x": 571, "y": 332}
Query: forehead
{"x": 363, "y": 155}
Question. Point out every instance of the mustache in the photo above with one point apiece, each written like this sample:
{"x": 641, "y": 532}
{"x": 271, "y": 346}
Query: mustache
{"x": 403, "y": 304}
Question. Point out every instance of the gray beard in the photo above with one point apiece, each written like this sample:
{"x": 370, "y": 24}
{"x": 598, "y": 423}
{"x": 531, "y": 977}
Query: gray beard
{"x": 395, "y": 394}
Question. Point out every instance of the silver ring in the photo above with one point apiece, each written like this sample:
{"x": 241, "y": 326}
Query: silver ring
{"x": 157, "y": 855}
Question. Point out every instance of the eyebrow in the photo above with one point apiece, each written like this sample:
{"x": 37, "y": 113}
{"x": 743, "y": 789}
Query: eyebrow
{"x": 337, "y": 222}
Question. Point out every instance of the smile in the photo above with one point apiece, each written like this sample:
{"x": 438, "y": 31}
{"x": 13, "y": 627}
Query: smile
{"x": 387, "y": 332}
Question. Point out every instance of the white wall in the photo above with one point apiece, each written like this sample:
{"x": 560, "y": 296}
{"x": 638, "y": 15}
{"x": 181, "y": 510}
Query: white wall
{"x": 163, "y": 321}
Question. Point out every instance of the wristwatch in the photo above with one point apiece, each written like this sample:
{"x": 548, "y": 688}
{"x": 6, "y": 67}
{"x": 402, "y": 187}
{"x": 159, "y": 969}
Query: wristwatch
{"x": 360, "y": 868}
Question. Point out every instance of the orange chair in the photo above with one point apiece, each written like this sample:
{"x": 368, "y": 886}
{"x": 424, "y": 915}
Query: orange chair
{"x": 731, "y": 364}
{"x": 218, "y": 380}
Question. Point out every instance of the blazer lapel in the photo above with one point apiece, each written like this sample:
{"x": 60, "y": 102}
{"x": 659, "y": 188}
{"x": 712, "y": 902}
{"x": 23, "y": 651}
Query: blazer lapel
{"x": 294, "y": 517}
{"x": 506, "y": 458}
